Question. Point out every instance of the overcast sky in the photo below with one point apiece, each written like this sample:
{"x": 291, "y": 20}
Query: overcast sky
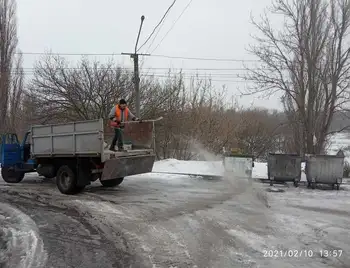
{"x": 207, "y": 29}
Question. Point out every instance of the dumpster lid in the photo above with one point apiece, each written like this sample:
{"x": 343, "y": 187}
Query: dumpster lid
{"x": 239, "y": 155}
{"x": 285, "y": 154}
{"x": 326, "y": 155}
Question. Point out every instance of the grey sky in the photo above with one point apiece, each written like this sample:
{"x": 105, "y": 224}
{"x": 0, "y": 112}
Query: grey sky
{"x": 208, "y": 29}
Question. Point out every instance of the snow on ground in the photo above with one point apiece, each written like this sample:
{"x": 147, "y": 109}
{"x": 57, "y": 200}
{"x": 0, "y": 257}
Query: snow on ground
{"x": 215, "y": 168}
{"x": 340, "y": 141}
{"x": 210, "y": 168}
{"x": 24, "y": 247}
{"x": 299, "y": 221}
{"x": 176, "y": 221}
{"x": 194, "y": 167}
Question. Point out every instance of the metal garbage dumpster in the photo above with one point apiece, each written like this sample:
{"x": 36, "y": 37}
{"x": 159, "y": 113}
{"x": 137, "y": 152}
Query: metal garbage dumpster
{"x": 240, "y": 166}
{"x": 324, "y": 169}
{"x": 284, "y": 168}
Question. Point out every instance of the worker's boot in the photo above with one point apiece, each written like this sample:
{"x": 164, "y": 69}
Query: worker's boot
{"x": 112, "y": 148}
{"x": 121, "y": 149}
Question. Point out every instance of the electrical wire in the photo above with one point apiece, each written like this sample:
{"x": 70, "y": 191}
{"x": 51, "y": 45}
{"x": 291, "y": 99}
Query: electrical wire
{"x": 230, "y": 78}
{"x": 215, "y": 77}
{"x": 155, "y": 55}
{"x": 154, "y": 38}
{"x": 222, "y": 75}
{"x": 160, "y": 71}
{"x": 203, "y": 59}
{"x": 149, "y": 68}
{"x": 178, "y": 18}
{"x": 69, "y": 54}
{"x": 155, "y": 28}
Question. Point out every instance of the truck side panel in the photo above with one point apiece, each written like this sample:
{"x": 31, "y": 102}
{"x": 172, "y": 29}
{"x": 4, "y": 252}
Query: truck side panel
{"x": 71, "y": 139}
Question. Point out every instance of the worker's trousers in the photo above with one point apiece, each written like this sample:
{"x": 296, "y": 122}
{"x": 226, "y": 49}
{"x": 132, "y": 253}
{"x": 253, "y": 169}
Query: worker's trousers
{"x": 118, "y": 137}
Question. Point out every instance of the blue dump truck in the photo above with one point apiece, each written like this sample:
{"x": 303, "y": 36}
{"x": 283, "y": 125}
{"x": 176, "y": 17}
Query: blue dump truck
{"x": 75, "y": 153}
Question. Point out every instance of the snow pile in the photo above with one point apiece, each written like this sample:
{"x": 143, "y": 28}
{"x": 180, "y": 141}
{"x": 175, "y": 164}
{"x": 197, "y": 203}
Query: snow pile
{"x": 214, "y": 168}
{"x": 21, "y": 245}
{"x": 210, "y": 168}
{"x": 340, "y": 141}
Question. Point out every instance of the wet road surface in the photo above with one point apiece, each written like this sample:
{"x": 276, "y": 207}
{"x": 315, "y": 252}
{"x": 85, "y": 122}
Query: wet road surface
{"x": 172, "y": 221}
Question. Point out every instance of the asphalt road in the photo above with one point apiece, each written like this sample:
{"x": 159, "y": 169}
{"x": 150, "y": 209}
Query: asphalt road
{"x": 159, "y": 221}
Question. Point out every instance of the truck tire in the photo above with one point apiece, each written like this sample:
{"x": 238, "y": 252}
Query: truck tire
{"x": 112, "y": 183}
{"x": 48, "y": 171}
{"x": 79, "y": 189}
{"x": 313, "y": 185}
{"x": 66, "y": 180}
{"x": 9, "y": 175}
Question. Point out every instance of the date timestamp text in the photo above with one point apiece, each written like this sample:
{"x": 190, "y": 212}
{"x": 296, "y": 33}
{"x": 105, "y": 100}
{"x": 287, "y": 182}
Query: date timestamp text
{"x": 302, "y": 253}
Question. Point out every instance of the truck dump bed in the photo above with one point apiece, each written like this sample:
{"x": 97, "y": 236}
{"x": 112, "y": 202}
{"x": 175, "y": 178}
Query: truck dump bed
{"x": 88, "y": 139}
{"x": 83, "y": 138}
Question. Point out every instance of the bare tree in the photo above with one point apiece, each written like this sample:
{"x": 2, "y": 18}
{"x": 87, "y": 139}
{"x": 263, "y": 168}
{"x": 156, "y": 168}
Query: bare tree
{"x": 89, "y": 90}
{"x": 15, "y": 110}
{"x": 259, "y": 133}
{"x": 308, "y": 61}
{"x": 193, "y": 111}
{"x": 8, "y": 44}
{"x": 84, "y": 92}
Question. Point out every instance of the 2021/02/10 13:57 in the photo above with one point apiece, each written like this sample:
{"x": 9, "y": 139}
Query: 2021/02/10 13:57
{"x": 302, "y": 253}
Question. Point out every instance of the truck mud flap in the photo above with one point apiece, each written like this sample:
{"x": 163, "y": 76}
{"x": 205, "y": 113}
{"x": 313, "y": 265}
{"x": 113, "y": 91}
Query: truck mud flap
{"x": 127, "y": 166}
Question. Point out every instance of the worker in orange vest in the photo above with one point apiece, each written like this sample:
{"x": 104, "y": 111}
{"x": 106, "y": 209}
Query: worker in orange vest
{"x": 119, "y": 114}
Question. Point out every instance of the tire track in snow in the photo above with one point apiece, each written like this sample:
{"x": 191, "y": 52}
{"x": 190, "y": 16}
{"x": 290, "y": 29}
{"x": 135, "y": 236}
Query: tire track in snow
{"x": 22, "y": 246}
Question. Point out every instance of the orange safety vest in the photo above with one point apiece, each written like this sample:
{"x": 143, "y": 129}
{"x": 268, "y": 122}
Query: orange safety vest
{"x": 118, "y": 113}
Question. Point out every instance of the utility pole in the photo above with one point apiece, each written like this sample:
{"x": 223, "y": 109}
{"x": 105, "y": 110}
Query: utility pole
{"x": 135, "y": 57}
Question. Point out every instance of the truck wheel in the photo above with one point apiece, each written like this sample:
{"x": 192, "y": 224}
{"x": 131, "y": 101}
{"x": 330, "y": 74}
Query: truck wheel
{"x": 9, "y": 175}
{"x": 112, "y": 183}
{"x": 66, "y": 180}
{"x": 79, "y": 189}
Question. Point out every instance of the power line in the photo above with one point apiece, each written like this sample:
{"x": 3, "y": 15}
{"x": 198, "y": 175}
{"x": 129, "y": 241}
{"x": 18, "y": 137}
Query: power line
{"x": 194, "y": 69}
{"x": 160, "y": 71}
{"x": 213, "y": 80}
{"x": 160, "y": 22}
{"x": 154, "y": 55}
{"x": 154, "y": 38}
{"x": 69, "y": 54}
{"x": 222, "y": 75}
{"x": 178, "y": 18}
{"x": 204, "y": 59}
{"x": 149, "y": 68}
{"x": 186, "y": 77}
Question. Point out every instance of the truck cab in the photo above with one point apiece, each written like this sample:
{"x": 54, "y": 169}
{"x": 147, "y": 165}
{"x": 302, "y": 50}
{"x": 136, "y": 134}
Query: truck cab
{"x": 15, "y": 158}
